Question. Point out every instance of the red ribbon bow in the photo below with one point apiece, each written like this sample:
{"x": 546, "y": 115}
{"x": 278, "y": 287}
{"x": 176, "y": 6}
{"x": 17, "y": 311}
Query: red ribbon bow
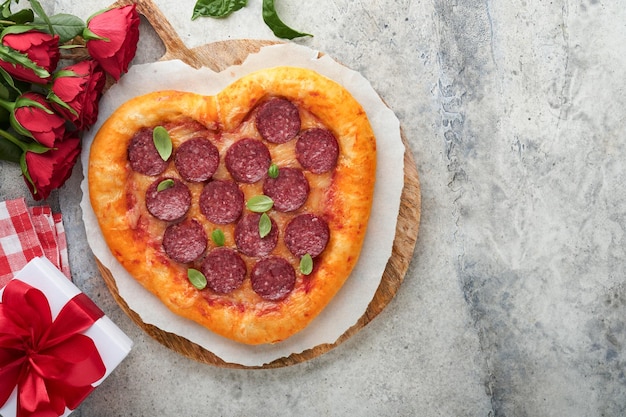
{"x": 51, "y": 362}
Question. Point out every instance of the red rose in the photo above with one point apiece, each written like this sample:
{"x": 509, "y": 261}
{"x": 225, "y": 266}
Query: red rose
{"x": 79, "y": 86}
{"x": 44, "y": 126}
{"x": 49, "y": 170}
{"x": 115, "y": 42}
{"x": 40, "y": 48}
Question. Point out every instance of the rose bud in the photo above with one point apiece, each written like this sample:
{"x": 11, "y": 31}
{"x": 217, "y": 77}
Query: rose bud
{"x": 76, "y": 91}
{"x": 37, "y": 58}
{"x": 112, "y": 38}
{"x": 33, "y": 117}
{"x": 44, "y": 172}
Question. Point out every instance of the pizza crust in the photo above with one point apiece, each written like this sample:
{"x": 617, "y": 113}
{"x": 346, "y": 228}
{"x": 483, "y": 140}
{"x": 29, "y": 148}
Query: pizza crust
{"x": 244, "y": 316}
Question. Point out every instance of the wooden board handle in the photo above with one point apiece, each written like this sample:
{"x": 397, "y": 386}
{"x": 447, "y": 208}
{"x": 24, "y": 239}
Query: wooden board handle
{"x": 174, "y": 46}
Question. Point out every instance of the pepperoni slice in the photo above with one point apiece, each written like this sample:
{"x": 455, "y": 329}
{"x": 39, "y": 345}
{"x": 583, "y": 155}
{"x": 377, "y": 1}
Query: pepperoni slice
{"x": 197, "y": 159}
{"x": 184, "y": 242}
{"x": 170, "y": 204}
{"x": 143, "y": 155}
{"x": 224, "y": 270}
{"x": 278, "y": 120}
{"x": 248, "y": 239}
{"x": 247, "y": 160}
{"x": 221, "y": 201}
{"x": 317, "y": 150}
{"x": 289, "y": 190}
{"x": 307, "y": 233}
{"x": 273, "y": 278}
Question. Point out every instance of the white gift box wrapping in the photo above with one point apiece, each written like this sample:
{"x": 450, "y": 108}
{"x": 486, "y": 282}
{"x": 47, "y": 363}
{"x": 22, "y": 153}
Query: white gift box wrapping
{"x": 113, "y": 345}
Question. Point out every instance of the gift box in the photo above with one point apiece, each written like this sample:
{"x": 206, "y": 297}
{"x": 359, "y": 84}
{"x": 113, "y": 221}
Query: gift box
{"x": 56, "y": 345}
{"x": 27, "y": 233}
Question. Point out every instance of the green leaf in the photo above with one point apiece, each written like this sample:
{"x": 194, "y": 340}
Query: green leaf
{"x": 36, "y": 147}
{"x": 65, "y": 73}
{"x": 21, "y": 17}
{"x": 265, "y": 225}
{"x": 9, "y": 82}
{"x": 6, "y": 8}
{"x": 27, "y": 102}
{"x": 17, "y": 126}
{"x": 69, "y": 46}
{"x": 67, "y": 26}
{"x": 306, "y": 264}
{"x": 218, "y": 237}
{"x": 4, "y": 92}
{"x": 9, "y": 151}
{"x": 53, "y": 98}
{"x": 271, "y": 19}
{"x": 24, "y": 168}
{"x": 22, "y": 143}
{"x": 41, "y": 13}
{"x": 4, "y": 113}
{"x": 260, "y": 203}
{"x": 165, "y": 184}
{"x": 196, "y": 278}
{"x": 89, "y": 35}
{"x": 217, "y": 8}
{"x": 14, "y": 57}
{"x": 163, "y": 142}
{"x": 16, "y": 30}
{"x": 272, "y": 172}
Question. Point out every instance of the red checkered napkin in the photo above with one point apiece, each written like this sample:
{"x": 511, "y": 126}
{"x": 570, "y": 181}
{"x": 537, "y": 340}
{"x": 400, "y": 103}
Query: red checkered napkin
{"x": 27, "y": 233}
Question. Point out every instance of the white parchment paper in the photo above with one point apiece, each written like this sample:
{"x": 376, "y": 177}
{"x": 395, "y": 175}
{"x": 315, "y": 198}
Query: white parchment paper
{"x": 352, "y": 300}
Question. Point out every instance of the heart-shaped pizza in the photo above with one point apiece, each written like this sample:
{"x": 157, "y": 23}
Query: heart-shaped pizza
{"x": 245, "y": 211}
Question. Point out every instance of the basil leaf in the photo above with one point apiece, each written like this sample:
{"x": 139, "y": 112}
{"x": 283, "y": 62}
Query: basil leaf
{"x": 260, "y": 203}
{"x": 217, "y": 8}
{"x": 165, "y": 184}
{"x": 306, "y": 264}
{"x": 163, "y": 142}
{"x": 196, "y": 278}
{"x": 271, "y": 19}
{"x": 272, "y": 172}
{"x": 217, "y": 236}
{"x": 265, "y": 225}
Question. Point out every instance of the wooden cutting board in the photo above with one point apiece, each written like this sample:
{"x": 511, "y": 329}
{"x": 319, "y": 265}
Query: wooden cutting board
{"x": 221, "y": 55}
